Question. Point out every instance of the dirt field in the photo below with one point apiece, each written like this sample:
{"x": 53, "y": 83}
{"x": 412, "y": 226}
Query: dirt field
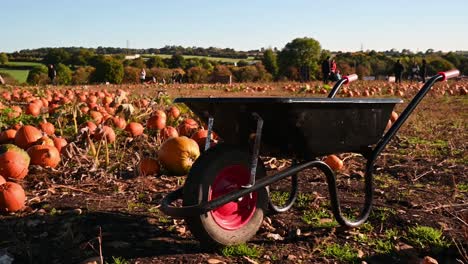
{"x": 81, "y": 211}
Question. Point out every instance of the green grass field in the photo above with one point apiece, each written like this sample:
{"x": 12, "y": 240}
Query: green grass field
{"x": 229, "y": 60}
{"x": 20, "y": 75}
{"x": 23, "y": 63}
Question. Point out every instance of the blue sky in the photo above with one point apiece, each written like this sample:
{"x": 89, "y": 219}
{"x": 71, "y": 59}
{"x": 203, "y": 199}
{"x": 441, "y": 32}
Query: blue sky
{"x": 238, "y": 24}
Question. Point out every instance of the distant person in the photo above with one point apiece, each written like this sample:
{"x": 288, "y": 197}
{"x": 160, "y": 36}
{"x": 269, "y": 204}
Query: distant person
{"x": 333, "y": 70}
{"x": 415, "y": 72}
{"x": 398, "y": 69}
{"x": 52, "y": 73}
{"x": 423, "y": 71}
{"x": 338, "y": 75}
{"x": 142, "y": 75}
{"x": 326, "y": 69}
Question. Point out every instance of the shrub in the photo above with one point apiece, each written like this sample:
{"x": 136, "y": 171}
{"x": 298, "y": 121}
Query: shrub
{"x": 220, "y": 73}
{"x": 131, "y": 75}
{"x": 161, "y": 74}
{"x": 197, "y": 75}
{"x": 108, "y": 69}
{"x": 8, "y": 78}
{"x": 82, "y": 75}
{"x": 64, "y": 74}
{"x": 38, "y": 75}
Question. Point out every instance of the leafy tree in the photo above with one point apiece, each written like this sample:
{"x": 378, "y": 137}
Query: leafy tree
{"x": 242, "y": 63}
{"x": 197, "y": 75}
{"x": 108, "y": 69}
{"x": 64, "y": 74}
{"x": 82, "y": 75}
{"x": 3, "y": 58}
{"x": 155, "y": 61}
{"x": 177, "y": 61}
{"x": 301, "y": 53}
{"x": 81, "y": 57}
{"x": 138, "y": 63}
{"x": 270, "y": 61}
{"x": 56, "y": 56}
{"x": 38, "y": 75}
{"x": 131, "y": 75}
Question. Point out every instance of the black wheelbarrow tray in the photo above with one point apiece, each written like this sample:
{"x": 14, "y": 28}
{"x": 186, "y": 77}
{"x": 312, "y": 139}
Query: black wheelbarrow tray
{"x": 226, "y": 192}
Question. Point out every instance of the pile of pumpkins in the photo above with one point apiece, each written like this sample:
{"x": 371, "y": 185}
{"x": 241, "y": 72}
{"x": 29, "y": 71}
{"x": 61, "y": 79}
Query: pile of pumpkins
{"x": 26, "y": 145}
{"x": 180, "y": 146}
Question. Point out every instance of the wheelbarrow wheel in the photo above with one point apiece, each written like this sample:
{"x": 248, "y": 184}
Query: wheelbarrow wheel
{"x": 218, "y": 171}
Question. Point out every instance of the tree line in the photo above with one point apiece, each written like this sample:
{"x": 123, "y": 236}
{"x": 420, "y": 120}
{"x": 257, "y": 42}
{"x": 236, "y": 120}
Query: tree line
{"x": 299, "y": 60}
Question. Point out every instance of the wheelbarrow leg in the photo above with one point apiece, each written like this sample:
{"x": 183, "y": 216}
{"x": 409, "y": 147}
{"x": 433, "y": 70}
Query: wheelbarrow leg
{"x": 255, "y": 151}
{"x": 292, "y": 195}
{"x": 335, "y": 202}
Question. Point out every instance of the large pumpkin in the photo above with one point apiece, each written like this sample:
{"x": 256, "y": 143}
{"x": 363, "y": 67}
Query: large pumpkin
{"x": 188, "y": 127}
{"x": 12, "y": 197}
{"x": 44, "y": 155}
{"x": 14, "y": 162}
{"x": 177, "y": 155}
{"x": 157, "y": 120}
{"x": 26, "y": 136}
{"x": 168, "y": 132}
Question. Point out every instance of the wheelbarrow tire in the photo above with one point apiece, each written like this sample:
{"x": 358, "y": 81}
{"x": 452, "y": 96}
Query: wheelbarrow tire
{"x": 232, "y": 223}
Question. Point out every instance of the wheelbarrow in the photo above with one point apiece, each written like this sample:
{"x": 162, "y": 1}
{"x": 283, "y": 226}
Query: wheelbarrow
{"x": 226, "y": 193}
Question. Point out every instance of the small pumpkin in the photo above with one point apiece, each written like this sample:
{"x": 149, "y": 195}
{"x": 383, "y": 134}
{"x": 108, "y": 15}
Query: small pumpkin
{"x": 173, "y": 112}
{"x": 90, "y": 126}
{"x": 168, "y": 132}
{"x": 177, "y": 154}
{"x": 188, "y": 127}
{"x": 157, "y": 120}
{"x": 14, "y": 161}
{"x": 7, "y": 136}
{"x": 334, "y": 162}
{"x": 12, "y": 197}
{"x": 134, "y": 129}
{"x": 44, "y": 155}
{"x": 47, "y": 127}
{"x": 201, "y": 135}
{"x": 60, "y": 143}
{"x": 106, "y": 132}
{"x": 26, "y": 136}
{"x": 149, "y": 166}
{"x": 119, "y": 122}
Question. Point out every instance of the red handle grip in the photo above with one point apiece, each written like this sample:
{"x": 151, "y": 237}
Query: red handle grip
{"x": 350, "y": 78}
{"x": 449, "y": 74}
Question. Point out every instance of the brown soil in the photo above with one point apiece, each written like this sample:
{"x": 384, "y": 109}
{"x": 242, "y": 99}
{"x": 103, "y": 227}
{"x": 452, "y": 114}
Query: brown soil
{"x": 78, "y": 211}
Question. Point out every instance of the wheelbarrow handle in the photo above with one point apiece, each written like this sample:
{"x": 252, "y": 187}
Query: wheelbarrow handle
{"x": 449, "y": 74}
{"x": 350, "y": 78}
{"x": 338, "y": 84}
{"x": 441, "y": 76}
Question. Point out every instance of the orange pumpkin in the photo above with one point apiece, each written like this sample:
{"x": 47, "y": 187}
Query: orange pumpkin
{"x": 134, "y": 129}
{"x": 26, "y": 136}
{"x": 33, "y": 109}
{"x": 119, "y": 122}
{"x": 174, "y": 112}
{"x": 177, "y": 154}
{"x": 91, "y": 126}
{"x": 394, "y": 116}
{"x": 334, "y": 162}
{"x": 149, "y": 166}
{"x": 44, "y": 155}
{"x": 60, "y": 143}
{"x": 187, "y": 127}
{"x": 14, "y": 162}
{"x": 12, "y": 197}
{"x": 47, "y": 127}
{"x": 7, "y": 136}
{"x": 105, "y": 132}
{"x": 168, "y": 132}
{"x": 157, "y": 120}
{"x": 201, "y": 135}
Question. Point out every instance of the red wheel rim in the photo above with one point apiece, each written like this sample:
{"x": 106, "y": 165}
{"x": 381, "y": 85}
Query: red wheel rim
{"x": 235, "y": 214}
